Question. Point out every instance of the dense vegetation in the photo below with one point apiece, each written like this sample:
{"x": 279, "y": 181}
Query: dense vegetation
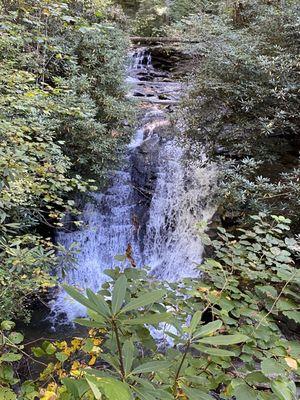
{"x": 231, "y": 334}
{"x": 62, "y": 107}
{"x": 244, "y": 102}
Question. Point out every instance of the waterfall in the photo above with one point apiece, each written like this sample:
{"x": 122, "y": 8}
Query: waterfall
{"x": 172, "y": 245}
{"x": 161, "y": 226}
{"x": 141, "y": 59}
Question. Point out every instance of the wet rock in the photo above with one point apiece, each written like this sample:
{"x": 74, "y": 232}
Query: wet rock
{"x": 144, "y": 175}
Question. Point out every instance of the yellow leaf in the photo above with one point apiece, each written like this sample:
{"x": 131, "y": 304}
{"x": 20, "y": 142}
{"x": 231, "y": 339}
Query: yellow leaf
{"x": 75, "y": 371}
{"x": 291, "y": 362}
{"x": 202, "y": 289}
{"x": 92, "y": 360}
{"x": 61, "y": 345}
{"x": 47, "y": 395}
{"x": 76, "y": 343}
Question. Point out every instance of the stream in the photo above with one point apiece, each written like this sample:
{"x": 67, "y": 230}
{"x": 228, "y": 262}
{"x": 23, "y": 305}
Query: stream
{"x": 153, "y": 203}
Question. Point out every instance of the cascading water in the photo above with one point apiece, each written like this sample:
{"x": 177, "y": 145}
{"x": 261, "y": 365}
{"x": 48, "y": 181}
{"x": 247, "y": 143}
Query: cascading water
{"x": 141, "y": 59}
{"x": 166, "y": 239}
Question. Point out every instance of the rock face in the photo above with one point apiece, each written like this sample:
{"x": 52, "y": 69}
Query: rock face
{"x": 158, "y": 94}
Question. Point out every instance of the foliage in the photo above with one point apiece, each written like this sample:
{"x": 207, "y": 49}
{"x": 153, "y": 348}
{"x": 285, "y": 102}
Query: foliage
{"x": 242, "y": 101}
{"x": 245, "y": 185}
{"x": 218, "y": 336}
{"x": 80, "y": 62}
{"x": 151, "y": 18}
{"x": 62, "y": 106}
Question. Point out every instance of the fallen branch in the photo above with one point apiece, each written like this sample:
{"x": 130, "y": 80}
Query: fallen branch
{"x": 160, "y": 39}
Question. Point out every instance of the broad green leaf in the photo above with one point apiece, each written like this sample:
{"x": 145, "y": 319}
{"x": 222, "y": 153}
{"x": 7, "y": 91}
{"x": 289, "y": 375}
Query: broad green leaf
{"x": 76, "y": 295}
{"x": 110, "y": 387}
{"x": 244, "y": 392}
{"x": 197, "y": 394}
{"x": 7, "y": 394}
{"x": 71, "y": 386}
{"x": 7, "y": 325}
{"x": 62, "y": 357}
{"x": 295, "y": 315}
{"x": 76, "y": 387}
{"x": 120, "y": 257}
{"x": 144, "y": 394}
{"x": 38, "y": 351}
{"x": 16, "y": 337}
{"x": 49, "y": 348}
{"x": 272, "y": 367}
{"x": 112, "y": 360}
{"x": 194, "y": 322}
{"x": 212, "y": 351}
{"x": 284, "y": 390}
{"x": 118, "y": 294}
{"x": 256, "y": 377}
{"x": 143, "y": 300}
{"x": 152, "y": 366}
{"x": 10, "y": 357}
{"x": 128, "y": 351}
{"x": 151, "y": 319}
{"x": 224, "y": 340}
{"x": 163, "y": 394}
{"x": 208, "y": 329}
{"x": 93, "y": 384}
{"x": 99, "y": 302}
{"x": 146, "y": 383}
{"x": 88, "y": 323}
{"x": 96, "y": 317}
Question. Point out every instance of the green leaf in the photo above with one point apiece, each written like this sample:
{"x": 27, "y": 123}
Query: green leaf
{"x": 61, "y": 357}
{"x": 244, "y": 392}
{"x": 152, "y": 366}
{"x": 88, "y": 323}
{"x": 96, "y": 317}
{"x": 256, "y": 377}
{"x": 7, "y": 325}
{"x": 38, "y": 352}
{"x": 110, "y": 387}
{"x": 76, "y": 387}
{"x": 208, "y": 329}
{"x": 99, "y": 302}
{"x": 112, "y": 360}
{"x": 284, "y": 390}
{"x": 143, "y": 300}
{"x": 10, "y": 357}
{"x": 271, "y": 367}
{"x": 214, "y": 351}
{"x": 144, "y": 394}
{"x": 194, "y": 322}
{"x": 7, "y": 394}
{"x": 120, "y": 257}
{"x": 118, "y": 294}
{"x": 224, "y": 340}
{"x": 295, "y": 315}
{"x": 16, "y": 337}
{"x": 76, "y": 295}
{"x": 197, "y": 394}
{"x": 151, "y": 319}
{"x": 49, "y": 348}
{"x": 93, "y": 384}
{"x": 128, "y": 351}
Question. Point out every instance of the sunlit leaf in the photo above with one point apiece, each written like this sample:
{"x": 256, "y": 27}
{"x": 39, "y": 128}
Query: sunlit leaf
{"x": 118, "y": 294}
{"x": 144, "y": 300}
